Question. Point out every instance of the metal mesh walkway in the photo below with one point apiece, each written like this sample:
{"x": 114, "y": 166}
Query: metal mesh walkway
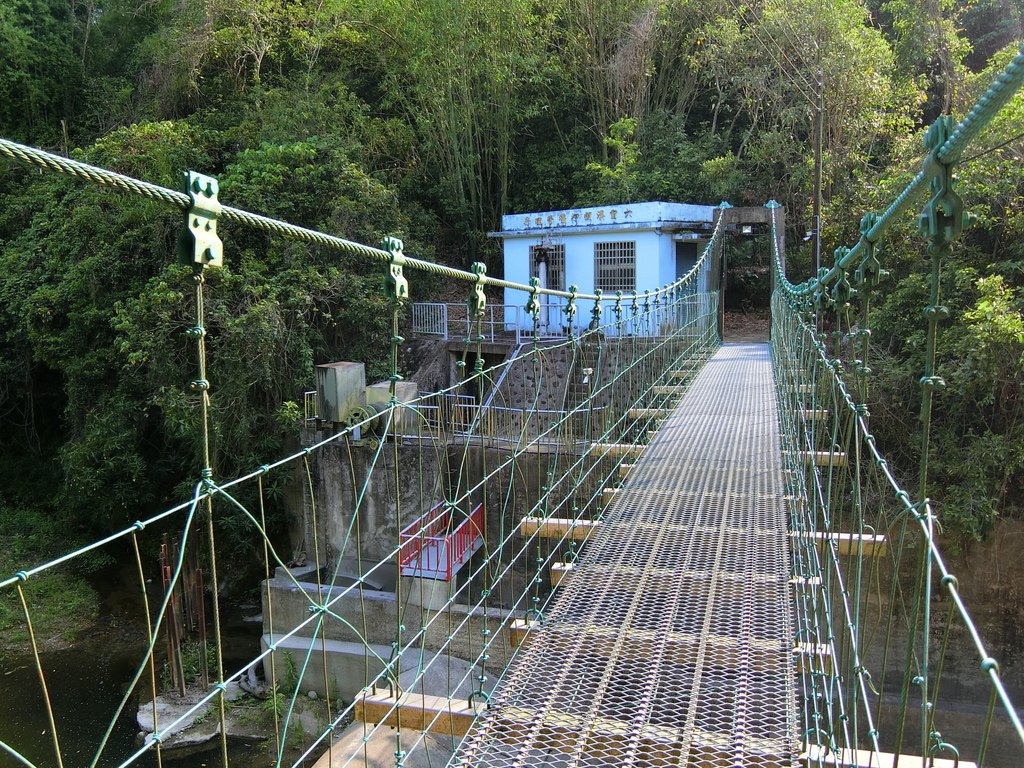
{"x": 672, "y": 642}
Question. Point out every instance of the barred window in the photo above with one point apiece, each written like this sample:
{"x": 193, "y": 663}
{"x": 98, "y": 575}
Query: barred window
{"x": 615, "y": 266}
{"x": 556, "y": 265}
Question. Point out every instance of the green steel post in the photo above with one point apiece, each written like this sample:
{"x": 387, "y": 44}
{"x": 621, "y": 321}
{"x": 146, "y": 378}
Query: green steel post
{"x": 201, "y": 246}
{"x": 868, "y": 275}
{"x": 396, "y": 289}
{"x": 842, "y": 293}
{"x": 942, "y": 220}
{"x": 477, "y": 311}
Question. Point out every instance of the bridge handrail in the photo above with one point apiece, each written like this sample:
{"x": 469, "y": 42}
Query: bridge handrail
{"x": 38, "y": 158}
{"x": 206, "y": 490}
{"x": 921, "y": 512}
{"x": 437, "y": 526}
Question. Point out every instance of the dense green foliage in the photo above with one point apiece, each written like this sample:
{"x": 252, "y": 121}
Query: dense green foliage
{"x": 978, "y": 440}
{"x": 428, "y": 120}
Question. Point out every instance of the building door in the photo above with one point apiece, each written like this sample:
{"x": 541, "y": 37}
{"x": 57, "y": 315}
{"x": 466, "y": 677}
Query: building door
{"x": 687, "y": 254}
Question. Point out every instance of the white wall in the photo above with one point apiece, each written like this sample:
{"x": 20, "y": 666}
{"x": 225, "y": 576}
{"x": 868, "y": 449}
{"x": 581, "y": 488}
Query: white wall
{"x": 517, "y": 269}
{"x": 666, "y": 260}
{"x": 655, "y": 265}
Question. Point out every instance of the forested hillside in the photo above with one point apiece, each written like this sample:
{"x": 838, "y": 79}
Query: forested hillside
{"x": 428, "y": 120}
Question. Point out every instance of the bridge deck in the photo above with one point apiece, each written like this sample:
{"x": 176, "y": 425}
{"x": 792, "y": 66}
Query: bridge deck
{"x": 672, "y": 641}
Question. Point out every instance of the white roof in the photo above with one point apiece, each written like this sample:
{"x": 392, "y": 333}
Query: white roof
{"x": 650, "y": 215}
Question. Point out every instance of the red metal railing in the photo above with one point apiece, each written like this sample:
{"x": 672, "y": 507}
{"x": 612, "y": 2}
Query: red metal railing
{"x": 432, "y": 548}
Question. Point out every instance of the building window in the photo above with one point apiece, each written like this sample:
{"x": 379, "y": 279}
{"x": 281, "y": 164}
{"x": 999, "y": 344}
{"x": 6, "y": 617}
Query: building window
{"x": 556, "y": 265}
{"x": 615, "y": 266}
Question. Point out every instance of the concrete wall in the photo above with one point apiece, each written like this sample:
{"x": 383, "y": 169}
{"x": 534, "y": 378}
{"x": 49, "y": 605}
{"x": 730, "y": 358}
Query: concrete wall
{"x": 425, "y": 476}
{"x": 426, "y": 362}
{"x": 543, "y": 386}
{"x": 352, "y": 666}
{"x": 405, "y": 483}
{"x": 371, "y": 620}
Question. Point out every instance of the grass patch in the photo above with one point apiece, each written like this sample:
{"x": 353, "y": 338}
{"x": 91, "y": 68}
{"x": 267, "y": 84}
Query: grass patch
{"x": 61, "y": 602}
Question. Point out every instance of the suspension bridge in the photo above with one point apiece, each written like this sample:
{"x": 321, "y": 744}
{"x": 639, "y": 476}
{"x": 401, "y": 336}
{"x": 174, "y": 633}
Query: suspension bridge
{"x": 710, "y": 562}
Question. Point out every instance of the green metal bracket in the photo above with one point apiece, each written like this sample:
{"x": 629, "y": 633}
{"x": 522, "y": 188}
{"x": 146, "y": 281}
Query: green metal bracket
{"x": 396, "y": 286}
{"x": 842, "y": 291}
{"x": 477, "y": 297}
{"x": 595, "y": 313}
{"x": 199, "y": 243}
{"x": 532, "y": 305}
{"x": 869, "y": 273}
{"x": 570, "y": 306}
{"x": 943, "y": 215}
{"x": 936, "y": 313}
{"x": 822, "y": 299}
{"x": 618, "y": 307}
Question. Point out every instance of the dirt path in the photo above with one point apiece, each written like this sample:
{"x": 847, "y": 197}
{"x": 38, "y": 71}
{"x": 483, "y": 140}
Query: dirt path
{"x": 747, "y": 327}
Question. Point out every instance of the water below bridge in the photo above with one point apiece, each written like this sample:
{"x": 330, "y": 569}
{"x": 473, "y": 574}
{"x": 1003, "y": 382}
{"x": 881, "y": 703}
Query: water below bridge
{"x": 86, "y": 683}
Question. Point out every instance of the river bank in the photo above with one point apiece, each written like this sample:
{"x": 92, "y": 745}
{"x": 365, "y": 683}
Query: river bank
{"x": 86, "y": 683}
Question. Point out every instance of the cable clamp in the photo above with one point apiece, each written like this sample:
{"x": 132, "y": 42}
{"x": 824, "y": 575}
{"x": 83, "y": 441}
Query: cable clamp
{"x": 199, "y": 244}
{"x": 943, "y": 217}
{"x": 532, "y": 305}
{"x": 595, "y": 313}
{"x": 570, "y": 307}
{"x": 396, "y": 286}
{"x": 477, "y": 297}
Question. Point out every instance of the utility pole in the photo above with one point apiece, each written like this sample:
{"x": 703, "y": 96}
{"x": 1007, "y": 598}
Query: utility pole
{"x": 819, "y": 131}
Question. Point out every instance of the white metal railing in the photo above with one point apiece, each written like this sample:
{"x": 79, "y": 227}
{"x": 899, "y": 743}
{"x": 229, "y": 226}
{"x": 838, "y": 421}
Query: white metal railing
{"x": 430, "y": 319}
{"x": 510, "y": 323}
{"x": 520, "y": 426}
{"x": 501, "y": 322}
{"x": 460, "y": 416}
{"x": 446, "y": 411}
{"x": 309, "y": 411}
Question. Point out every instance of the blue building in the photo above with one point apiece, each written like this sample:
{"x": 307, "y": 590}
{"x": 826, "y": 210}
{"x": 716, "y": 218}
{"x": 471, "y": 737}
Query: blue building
{"x": 635, "y": 246}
